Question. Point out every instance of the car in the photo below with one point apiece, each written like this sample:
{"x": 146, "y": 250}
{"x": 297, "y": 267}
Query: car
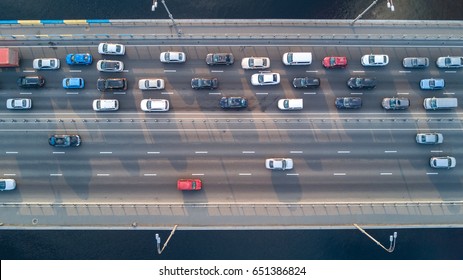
{"x": 449, "y": 62}
{"x": 348, "y": 102}
{"x": 395, "y": 103}
{"x": 7, "y": 184}
{"x": 375, "y": 60}
{"x": 443, "y": 162}
{"x": 64, "y": 140}
{"x": 149, "y": 84}
{"x": 297, "y": 58}
{"x": 204, "y": 83}
{"x": 111, "y": 84}
{"x": 30, "y": 81}
{"x": 279, "y": 163}
{"x": 429, "y": 138}
{"x": 255, "y": 63}
{"x": 432, "y": 84}
{"x": 79, "y": 59}
{"x": 110, "y": 66}
{"x": 265, "y": 79}
{"x": 105, "y": 105}
{"x": 334, "y": 62}
{"x": 73, "y": 83}
{"x": 18, "y": 103}
{"x": 415, "y": 62}
{"x": 361, "y": 83}
{"x": 220, "y": 59}
{"x": 306, "y": 82}
{"x": 111, "y": 48}
{"x": 154, "y": 105}
{"x": 233, "y": 102}
{"x": 189, "y": 184}
{"x": 291, "y": 104}
{"x": 46, "y": 63}
{"x": 172, "y": 57}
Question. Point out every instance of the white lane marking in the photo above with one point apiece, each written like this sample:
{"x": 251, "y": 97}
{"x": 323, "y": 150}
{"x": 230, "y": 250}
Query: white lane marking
{"x": 106, "y": 152}
{"x": 262, "y": 93}
{"x": 125, "y": 71}
{"x": 150, "y": 174}
{"x": 28, "y": 71}
{"x": 215, "y": 93}
{"x": 167, "y": 92}
{"x": 405, "y": 71}
{"x": 356, "y": 93}
{"x": 25, "y": 93}
{"x": 403, "y": 93}
{"x": 436, "y": 151}
{"x": 431, "y": 173}
{"x": 248, "y": 152}
{"x": 75, "y": 71}
{"x": 119, "y": 92}
{"x": 9, "y": 174}
{"x": 292, "y": 174}
{"x": 385, "y": 173}
{"x": 56, "y": 174}
{"x": 244, "y": 174}
{"x": 169, "y": 71}
{"x": 450, "y": 71}
{"x": 153, "y": 152}
{"x": 295, "y": 152}
{"x": 310, "y": 93}
{"x": 343, "y": 152}
{"x": 11, "y": 152}
{"x": 216, "y": 71}
{"x": 311, "y": 71}
{"x": 388, "y": 152}
{"x": 358, "y": 71}
{"x": 58, "y": 152}
{"x": 72, "y": 93}
{"x": 197, "y": 174}
{"x": 102, "y": 174}
{"x": 339, "y": 174}
{"x": 201, "y": 152}
{"x": 449, "y": 92}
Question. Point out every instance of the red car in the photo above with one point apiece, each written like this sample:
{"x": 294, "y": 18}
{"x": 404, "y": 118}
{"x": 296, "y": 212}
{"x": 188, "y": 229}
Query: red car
{"x": 189, "y": 184}
{"x": 335, "y": 62}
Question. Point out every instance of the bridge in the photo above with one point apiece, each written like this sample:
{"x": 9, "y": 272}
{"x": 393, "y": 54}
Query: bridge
{"x": 361, "y": 167}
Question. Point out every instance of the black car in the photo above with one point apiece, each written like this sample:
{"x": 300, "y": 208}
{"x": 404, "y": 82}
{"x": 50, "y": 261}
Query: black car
{"x": 348, "y": 102}
{"x": 306, "y": 82}
{"x": 112, "y": 84}
{"x": 31, "y": 81}
{"x": 204, "y": 83}
{"x": 220, "y": 59}
{"x": 233, "y": 102}
{"x": 360, "y": 83}
{"x": 64, "y": 140}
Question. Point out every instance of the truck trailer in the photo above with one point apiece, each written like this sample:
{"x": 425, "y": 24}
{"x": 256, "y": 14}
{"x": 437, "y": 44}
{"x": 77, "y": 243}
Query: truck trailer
{"x": 9, "y": 57}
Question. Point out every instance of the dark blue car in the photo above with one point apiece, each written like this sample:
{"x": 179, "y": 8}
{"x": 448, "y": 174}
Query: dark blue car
{"x": 79, "y": 59}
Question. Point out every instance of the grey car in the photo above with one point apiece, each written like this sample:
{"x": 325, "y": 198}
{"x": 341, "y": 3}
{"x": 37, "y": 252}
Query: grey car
{"x": 415, "y": 62}
{"x": 220, "y": 59}
{"x": 395, "y": 103}
{"x": 306, "y": 82}
{"x": 348, "y": 102}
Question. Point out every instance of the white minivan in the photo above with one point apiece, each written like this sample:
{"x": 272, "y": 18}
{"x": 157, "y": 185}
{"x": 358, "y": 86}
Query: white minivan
{"x": 297, "y": 58}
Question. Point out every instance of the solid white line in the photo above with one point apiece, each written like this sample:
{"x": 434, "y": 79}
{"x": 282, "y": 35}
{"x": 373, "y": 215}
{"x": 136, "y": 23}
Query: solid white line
{"x": 449, "y": 92}
{"x": 119, "y": 92}
{"x": 450, "y": 71}
{"x": 436, "y": 151}
{"x": 169, "y": 71}
{"x": 75, "y": 71}
{"x": 28, "y": 71}
{"x": 403, "y": 93}
{"x": 261, "y": 93}
{"x": 102, "y": 174}
{"x": 292, "y": 174}
{"x": 11, "y": 152}
{"x": 385, "y": 173}
{"x": 125, "y": 71}
{"x": 339, "y": 174}
{"x": 216, "y": 71}
{"x": 311, "y": 71}
{"x": 248, "y": 152}
{"x": 215, "y": 93}
{"x": 431, "y": 173}
{"x": 405, "y": 71}
{"x": 197, "y": 174}
{"x": 149, "y": 174}
{"x": 356, "y": 93}
{"x": 310, "y": 93}
{"x": 25, "y": 93}
{"x": 58, "y": 152}
{"x": 358, "y": 71}
{"x": 153, "y": 152}
{"x": 390, "y": 151}
{"x": 9, "y": 174}
{"x": 201, "y": 152}
{"x": 244, "y": 174}
{"x": 167, "y": 92}
{"x": 56, "y": 174}
{"x": 343, "y": 152}
{"x": 295, "y": 152}
{"x": 72, "y": 93}
{"x": 106, "y": 152}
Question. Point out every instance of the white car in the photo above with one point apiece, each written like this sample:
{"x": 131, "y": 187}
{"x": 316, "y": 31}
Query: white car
{"x": 18, "y": 103}
{"x": 263, "y": 79}
{"x": 375, "y": 60}
{"x": 449, "y": 62}
{"x": 7, "y": 184}
{"x": 154, "y": 105}
{"x": 172, "y": 57}
{"x": 279, "y": 163}
{"x": 443, "y": 162}
{"x": 255, "y": 63}
{"x": 110, "y": 66}
{"x": 105, "y": 105}
{"x": 46, "y": 63}
{"x": 149, "y": 84}
{"x": 291, "y": 104}
{"x": 429, "y": 138}
{"x": 110, "y": 48}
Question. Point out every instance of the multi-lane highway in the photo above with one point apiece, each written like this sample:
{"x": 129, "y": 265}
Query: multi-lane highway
{"x": 130, "y": 157}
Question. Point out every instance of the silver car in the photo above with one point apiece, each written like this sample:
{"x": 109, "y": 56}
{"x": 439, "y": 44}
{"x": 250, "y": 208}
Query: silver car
{"x": 415, "y": 62}
{"x": 110, "y": 66}
{"x": 46, "y": 63}
{"x": 429, "y": 138}
{"x": 279, "y": 163}
{"x": 151, "y": 84}
{"x": 7, "y": 184}
{"x": 443, "y": 162}
{"x": 432, "y": 83}
{"x": 255, "y": 63}
{"x": 395, "y": 103}
{"x": 172, "y": 57}
{"x": 111, "y": 48}
{"x": 18, "y": 103}
{"x": 449, "y": 62}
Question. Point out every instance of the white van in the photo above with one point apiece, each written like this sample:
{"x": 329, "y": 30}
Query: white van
{"x": 440, "y": 103}
{"x": 290, "y": 104}
{"x": 297, "y": 58}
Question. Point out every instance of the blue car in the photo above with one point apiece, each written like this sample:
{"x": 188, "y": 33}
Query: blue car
{"x": 79, "y": 58}
{"x": 73, "y": 83}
